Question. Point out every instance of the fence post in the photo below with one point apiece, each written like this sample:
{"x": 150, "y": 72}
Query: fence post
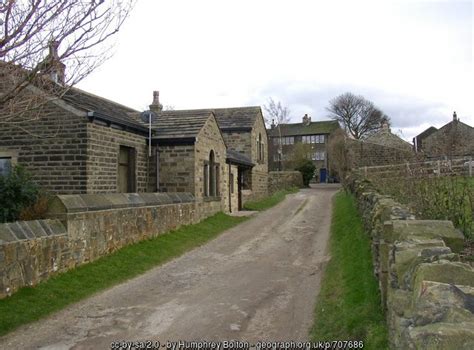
{"x": 439, "y": 168}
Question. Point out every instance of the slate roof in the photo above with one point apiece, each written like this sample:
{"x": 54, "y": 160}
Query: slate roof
{"x": 385, "y": 138}
{"x": 92, "y": 103}
{"x": 183, "y": 124}
{"x": 426, "y": 133}
{"x": 319, "y": 127}
{"x": 239, "y": 158}
{"x": 232, "y": 118}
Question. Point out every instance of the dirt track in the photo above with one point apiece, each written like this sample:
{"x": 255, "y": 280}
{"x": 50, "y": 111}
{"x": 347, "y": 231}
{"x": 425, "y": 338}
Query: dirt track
{"x": 257, "y": 281}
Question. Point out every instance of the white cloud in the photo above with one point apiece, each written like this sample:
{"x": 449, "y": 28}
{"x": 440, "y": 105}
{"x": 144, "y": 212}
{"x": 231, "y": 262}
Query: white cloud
{"x": 413, "y": 59}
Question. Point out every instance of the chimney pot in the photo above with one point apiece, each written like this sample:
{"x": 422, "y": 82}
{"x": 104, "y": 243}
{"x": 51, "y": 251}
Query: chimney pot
{"x": 57, "y": 68}
{"x": 156, "y": 106}
{"x": 455, "y": 116}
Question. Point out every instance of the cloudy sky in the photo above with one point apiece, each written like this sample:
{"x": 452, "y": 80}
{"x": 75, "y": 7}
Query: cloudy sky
{"x": 413, "y": 59}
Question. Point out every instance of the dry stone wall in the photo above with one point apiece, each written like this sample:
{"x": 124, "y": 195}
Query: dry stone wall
{"x": 86, "y": 227}
{"x": 281, "y": 180}
{"x": 427, "y": 292}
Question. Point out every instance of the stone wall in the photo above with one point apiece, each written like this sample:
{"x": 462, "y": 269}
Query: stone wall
{"x": 210, "y": 138}
{"x": 176, "y": 164}
{"x": 427, "y": 292}
{"x": 51, "y": 145}
{"x": 30, "y": 251}
{"x": 371, "y": 154}
{"x": 234, "y": 195}
{"x": 259, "y": 172}
{"x": 86, "y": 227}
{"x": 103, "y": 145}
{"x": 280, "y": 180}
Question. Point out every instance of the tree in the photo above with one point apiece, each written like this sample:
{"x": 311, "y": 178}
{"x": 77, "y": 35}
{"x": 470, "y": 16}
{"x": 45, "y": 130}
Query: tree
{"x": 359, "y": 117}
{"x": 40, "y": 38}
{"x": 340, "y": 154}
{"x": 276, "y": 114}
{"x": 306, "y": 169}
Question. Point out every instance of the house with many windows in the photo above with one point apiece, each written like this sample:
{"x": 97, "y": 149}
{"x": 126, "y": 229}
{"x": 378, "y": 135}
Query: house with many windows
{"x": 284, "y": 137}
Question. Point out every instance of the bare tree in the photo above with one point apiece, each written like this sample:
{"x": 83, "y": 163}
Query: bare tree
{"x": 276, "y": 114}
{"x": 40, "y": 38}
{"x": 359, "y": 117}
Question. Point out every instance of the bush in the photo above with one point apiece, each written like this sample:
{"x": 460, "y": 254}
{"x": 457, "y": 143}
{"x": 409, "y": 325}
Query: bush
{"x": 306, "y": 168}
{"x": 17, "y": 192}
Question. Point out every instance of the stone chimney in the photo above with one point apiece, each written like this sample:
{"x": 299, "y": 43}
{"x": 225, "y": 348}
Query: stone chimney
{"x": 455, "y": 117}
{"x": 156, "y": 106}
{"x": 57, "y": 68}
{"x": 272, "y": 126}
{"x": 306, "y": 119}
{"x": 385, "y": 126}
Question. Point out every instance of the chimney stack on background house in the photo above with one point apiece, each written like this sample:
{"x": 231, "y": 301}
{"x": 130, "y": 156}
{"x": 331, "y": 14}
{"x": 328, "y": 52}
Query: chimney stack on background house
{"x": 306, "y": 119}
{"x": 273, "y": 124}
{"x": 57, "y": 68}
{"x": 385, "y": 126}
{"x": 156, "y": 106}
{"x": 455, "y": 117}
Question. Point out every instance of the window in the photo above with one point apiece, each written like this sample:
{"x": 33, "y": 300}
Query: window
{"x": 126, "y": 170}
{"x": 211, "y": 177}
{"x": 313, "y": 139}
{"x": 287, "y": 140}
{"x": 276, "y": 141}
{"x": 5, "y": 165}
{"x": 319, "y": 155}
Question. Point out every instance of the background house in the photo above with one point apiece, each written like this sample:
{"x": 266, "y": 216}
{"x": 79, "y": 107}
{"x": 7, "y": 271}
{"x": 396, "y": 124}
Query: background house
{"x": 284, "y": 137}
{"x": 455, "y": 139}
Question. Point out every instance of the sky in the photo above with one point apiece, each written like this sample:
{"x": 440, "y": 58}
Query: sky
{"x": 412, "y": 59}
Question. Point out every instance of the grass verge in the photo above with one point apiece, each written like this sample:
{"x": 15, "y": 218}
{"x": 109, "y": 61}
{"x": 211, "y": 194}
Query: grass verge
{"x": 269, "y": 201}
{"x": 348, "y": 305}
{"x": 30, "y": 304}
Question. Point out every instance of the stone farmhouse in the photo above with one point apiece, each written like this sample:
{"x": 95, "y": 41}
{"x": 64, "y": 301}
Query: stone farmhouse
{"x": 80, "y": 143}
{"x": 455, "y": 139}
{"x": 283, "y": 137}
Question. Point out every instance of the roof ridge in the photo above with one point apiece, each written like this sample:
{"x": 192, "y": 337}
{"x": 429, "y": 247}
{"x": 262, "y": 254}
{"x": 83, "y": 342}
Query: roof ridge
{"x": 103, "y": 98}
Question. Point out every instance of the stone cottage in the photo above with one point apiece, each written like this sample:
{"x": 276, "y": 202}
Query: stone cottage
{"x": 455, "y": 139}
{"x": 245, "y": 136}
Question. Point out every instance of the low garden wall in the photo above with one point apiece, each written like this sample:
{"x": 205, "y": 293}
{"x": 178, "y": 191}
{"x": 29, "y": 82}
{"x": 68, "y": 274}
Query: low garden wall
{"x": 83, "y": 228}
{"x": 427, "y": 292}
{"x": 281, "y": 180}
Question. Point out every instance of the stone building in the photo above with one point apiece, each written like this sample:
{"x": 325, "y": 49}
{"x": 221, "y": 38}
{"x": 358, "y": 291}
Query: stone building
{"x": 192, "y": 156}
{"x": 284, "y": 137}
{"x": 245, "y": 136}
{"x": 380, "y": 148}
{"x": 80, "y": 143}
{"x": 455, "y": 139}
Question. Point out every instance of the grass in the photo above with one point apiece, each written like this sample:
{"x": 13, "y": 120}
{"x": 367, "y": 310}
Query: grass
{"x": 348, "y": 305}
{"x": 269, "y": 201}
{"x": 30, "y": 304}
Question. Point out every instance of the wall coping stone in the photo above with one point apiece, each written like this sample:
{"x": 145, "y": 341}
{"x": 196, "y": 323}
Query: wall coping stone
{"x": 27, "y": 230}
{"x": 76, "y": 203}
